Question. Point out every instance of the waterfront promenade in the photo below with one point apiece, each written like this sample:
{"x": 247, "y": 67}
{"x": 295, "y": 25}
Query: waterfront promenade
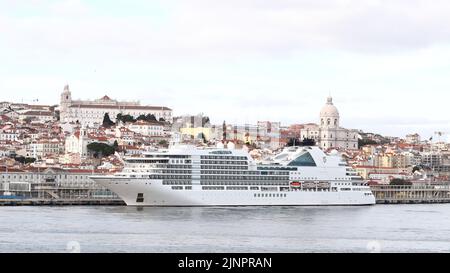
{"x": 416, "y": 194}
{"x": 61, "y": 202}
{"x": 384, "y": 194}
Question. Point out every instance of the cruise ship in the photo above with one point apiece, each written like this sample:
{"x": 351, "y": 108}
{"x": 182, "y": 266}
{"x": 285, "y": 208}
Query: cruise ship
{"x": 189, "y": 176}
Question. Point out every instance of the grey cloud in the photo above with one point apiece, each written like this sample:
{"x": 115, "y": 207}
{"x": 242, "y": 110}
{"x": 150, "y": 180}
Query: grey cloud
{"x": 204, "y": 29}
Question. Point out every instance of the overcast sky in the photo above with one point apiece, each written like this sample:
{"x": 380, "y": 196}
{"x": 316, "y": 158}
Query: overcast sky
{"x": 386, "y": 63}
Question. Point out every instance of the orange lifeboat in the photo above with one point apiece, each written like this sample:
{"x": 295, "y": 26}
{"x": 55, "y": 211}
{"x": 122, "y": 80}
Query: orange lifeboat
{"x": 296, "y": 184}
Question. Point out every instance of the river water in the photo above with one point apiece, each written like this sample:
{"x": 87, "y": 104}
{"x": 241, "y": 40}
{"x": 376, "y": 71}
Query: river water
{"x": 381, "y": 228}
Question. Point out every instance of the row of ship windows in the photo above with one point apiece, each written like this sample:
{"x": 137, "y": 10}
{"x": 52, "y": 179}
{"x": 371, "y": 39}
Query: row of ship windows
{"x": 237, "y": 188}
{"x": 186, "y": 182}
{"x": 167, "y": 156}
{"x": 254, "y": 178}
{"x": 224, "y": 157}
{"x": 212, "y": 188}
{"x": 163, "y": 166}
{"x": 180, "y": 188}
{"x": 162, "y": 176}
{"x": 170, "y": 177}
{"x": 175, "y": 171}
{"x": 180, "y": 161}
{"x": 244, "y": 172}
{"x": 224, "y": 162}
{"x": 253, "y": 183}
{"x": 177, "y": 166}
{"x": 224, "y": 167}
{"x": 144, "y": 161}
{"x": 269, "y": 195}
{"x": 277, "y": 168}
{"x": 44, "y": 177}
{"x": 315, "y": 178}
{"x": 215, "y": 183}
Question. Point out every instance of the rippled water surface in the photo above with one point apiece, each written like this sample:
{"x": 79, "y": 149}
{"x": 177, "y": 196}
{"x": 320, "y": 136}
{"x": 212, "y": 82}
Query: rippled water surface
{"x": 394, "y": 228}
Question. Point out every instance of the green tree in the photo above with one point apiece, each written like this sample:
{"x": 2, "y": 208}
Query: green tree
{"x": 294, "y": 141}
{"x": 297, "y": 142}
{"x": 150, "y": 117}
{"x": 126, "y": 118}
{"x": 364, "y": 142}
{"x": 101, "y": 149}
{"x": 107, "y": 122}
{"x": 400, "y": 182}
{"x": 57, "y": 115}
{"x": 25, "y": 160}
{"x": 162, "y": 142}
{"x": 205, "y": 120}
{"x": 142, "y": 117}
{"x": 202, "y": 136}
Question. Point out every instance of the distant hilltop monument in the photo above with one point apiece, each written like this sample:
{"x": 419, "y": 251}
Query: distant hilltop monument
{"x": 91, "y": 112}
{"x": 329, "y": 134}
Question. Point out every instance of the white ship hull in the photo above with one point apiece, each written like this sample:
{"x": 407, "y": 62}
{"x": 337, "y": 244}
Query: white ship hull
{"x": 154, "y": 193}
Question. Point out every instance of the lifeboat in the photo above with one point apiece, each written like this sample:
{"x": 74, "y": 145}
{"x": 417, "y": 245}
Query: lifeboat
{"x": 296, "y": 184}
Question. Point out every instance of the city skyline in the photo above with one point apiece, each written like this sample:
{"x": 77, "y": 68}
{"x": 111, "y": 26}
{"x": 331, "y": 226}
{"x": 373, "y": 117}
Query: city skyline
{"x": 384, "y": 63}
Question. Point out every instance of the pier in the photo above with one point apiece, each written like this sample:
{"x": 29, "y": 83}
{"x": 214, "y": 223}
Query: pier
{"x": 414, "y": 194}
{"x": 61, "y": 202}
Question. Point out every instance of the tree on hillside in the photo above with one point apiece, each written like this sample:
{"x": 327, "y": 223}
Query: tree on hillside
{"x": 297, "y": 142}
{"x": 125, "y": 118}
{"x": 57, "y": 115}
{"x": 205, "y": 120}
{"x": 107, "y": 122}
{"x": 25, "y": 160}
{"x": 150, "y": 117}
{"x": 141, "y": 117}
{"x": 293, "y": 141}
{"x": 364, "y": 142}
{"x": 400, "y": 182}
{"x": 202, "y": 137}
{"x": 101, "y": 149}
{"x": 162, "y": 142}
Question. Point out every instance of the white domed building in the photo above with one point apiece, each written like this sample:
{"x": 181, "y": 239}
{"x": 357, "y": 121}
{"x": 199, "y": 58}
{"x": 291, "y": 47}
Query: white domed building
{"x": 328, "y": 134}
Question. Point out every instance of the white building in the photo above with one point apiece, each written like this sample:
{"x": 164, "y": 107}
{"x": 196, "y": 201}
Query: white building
{"x": 9, "y": 134}
{"x": 41, "y": 148}
{"x": 4, "y": 152}
{"x": 147, "y": 128}
{"x": 413, "y": 139}
{"x": 77, "y": 178}
{"x": 77, "y": 143}
{"x": 92, "y": 112}
{"x": 41, "y": 116}
{"x": 329, "y": 134}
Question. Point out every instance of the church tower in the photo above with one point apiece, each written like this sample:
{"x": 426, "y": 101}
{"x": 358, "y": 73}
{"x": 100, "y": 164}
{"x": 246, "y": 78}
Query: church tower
{"x": 66, "y": 101}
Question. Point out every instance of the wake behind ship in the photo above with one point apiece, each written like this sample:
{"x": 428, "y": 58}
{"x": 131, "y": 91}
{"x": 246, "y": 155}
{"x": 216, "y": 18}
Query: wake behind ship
{"x": 188, "y": 176}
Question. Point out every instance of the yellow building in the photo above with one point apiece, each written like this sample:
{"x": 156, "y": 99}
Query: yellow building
{"x": 390, "y": 161}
